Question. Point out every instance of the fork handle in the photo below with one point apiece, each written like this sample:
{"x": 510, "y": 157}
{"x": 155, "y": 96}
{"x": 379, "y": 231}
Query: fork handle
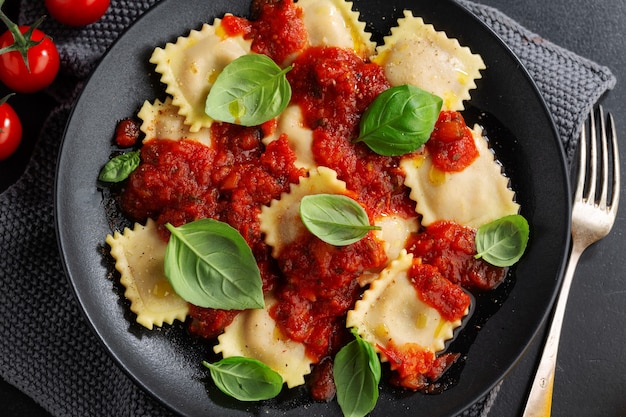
{"x": 539, "y": 403}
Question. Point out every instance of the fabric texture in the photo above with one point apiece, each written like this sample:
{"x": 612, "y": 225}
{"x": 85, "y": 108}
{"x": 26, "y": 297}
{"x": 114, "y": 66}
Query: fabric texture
{"x": 48, "y": 350}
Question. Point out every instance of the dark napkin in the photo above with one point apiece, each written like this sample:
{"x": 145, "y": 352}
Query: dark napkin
{"x": 48, "y": 350}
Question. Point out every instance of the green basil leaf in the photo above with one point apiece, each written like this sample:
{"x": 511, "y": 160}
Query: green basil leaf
{"x": 503, "y": 241}
{"x": 336, "y": 219}
{"x": 357, "y": 372}
{"x": 245, "y": 379}
{"x": 120, "y": 167}
{"x": 250, "y": 90}
{"x": 399, "y": 120}
{"x": 209, "y": 264}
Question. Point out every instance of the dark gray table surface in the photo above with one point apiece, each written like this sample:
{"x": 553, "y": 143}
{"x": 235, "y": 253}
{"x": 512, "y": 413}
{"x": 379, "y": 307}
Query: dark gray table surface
{"x": 591, "y": 370}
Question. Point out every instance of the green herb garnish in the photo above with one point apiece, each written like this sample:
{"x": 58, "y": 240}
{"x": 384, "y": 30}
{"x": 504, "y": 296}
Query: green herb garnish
{"x": 503, "y": 241}
{"x": 357, "y": 372}
{"x": 245, "y": 379}
{"x": 335, "y": 219}
{"x": 120, "y": 167}
{"x": 399, "y": 120}
{"x": 209, "y": 264}
{"x": 250, "y": 90}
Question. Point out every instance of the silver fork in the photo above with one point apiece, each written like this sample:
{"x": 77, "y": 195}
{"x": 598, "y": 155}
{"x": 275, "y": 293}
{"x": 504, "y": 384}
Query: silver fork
{"x": 592, "y": 219}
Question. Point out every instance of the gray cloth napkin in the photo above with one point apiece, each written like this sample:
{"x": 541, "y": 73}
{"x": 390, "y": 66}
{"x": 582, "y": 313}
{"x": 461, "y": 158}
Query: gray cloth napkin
{"x": 48, "y": 350}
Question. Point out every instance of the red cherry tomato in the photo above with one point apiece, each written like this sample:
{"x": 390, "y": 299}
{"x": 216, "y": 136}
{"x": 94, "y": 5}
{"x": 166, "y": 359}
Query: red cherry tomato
{"x": 77, "y": 12}
{"x": 10, "y": 131}
{"x": 43, "y": 60}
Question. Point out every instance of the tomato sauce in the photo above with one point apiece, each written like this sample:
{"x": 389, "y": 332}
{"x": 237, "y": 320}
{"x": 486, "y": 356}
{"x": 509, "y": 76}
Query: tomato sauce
{"x": 321, "y": 384}
{"x": 451, "y": 144}
{"x": 333, "y": 87}
{"x": 127, "y": 133}
{"x": 415, "y": 368}
{"x": 319, "y": 287}
{"x": 450, "y": 248}
{"x": 277, "y": 30}
{"x": 438, "y": 292}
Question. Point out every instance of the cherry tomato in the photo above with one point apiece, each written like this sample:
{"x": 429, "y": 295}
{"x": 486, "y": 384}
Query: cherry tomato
{"x": 43, "y": 60}
{"x": 10, "y": 131}
{"x": 77, "y": 12}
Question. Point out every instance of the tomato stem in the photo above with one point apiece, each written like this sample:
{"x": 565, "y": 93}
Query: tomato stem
{"x": 22, "y": 42}
{"x": 4, "y": 100}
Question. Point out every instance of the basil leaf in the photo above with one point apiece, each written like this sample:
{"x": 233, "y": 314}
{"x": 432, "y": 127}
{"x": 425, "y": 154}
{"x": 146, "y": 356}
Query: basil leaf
{"x": 120, "y": 167}
{"x": 503, "y": 241}
{"x": 356, "y": 372}
{"x": 250, "y": 90}
{"x": 399, "y": 120}
{"x": 209, "y": 264}
{"x": 245, "y": 379}
{"x": 336, "y": 219}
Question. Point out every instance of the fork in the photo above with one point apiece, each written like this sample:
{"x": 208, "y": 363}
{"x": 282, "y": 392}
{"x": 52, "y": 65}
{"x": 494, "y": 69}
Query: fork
{"x": 592, "y": 219}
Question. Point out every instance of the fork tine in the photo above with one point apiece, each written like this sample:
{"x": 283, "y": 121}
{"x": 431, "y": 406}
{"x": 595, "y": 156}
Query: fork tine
{"x": 605, "y": 162}
{"x": 616, "y": 167}
{"x": 592, "y": 162}
{"x": 582, "y": 165}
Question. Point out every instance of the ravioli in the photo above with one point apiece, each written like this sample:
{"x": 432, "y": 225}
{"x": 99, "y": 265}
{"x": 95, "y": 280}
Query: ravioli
{"x": 139, "y": 257}
{"x": 254, "y": 334}
{"x": 281, "y": 220}
{"x": 160, "y": 120}
{"x": 334, "y": 23}
{"x": 390, "y": 312}
{"x": 475, "y": 196}
{"x": 394, "y": 232}
{"x": 416, "y": 54}
{"x": 190, "y": 66}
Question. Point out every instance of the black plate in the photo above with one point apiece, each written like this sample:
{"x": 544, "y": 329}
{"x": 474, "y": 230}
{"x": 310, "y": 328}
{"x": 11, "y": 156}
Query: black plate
{"x": 167, "y": 362}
